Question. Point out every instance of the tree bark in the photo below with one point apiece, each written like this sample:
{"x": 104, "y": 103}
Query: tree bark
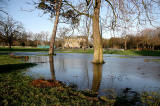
{"x": 97, "y": 38}
{"x": 137, "y": 47}
{"x": 153, "y": 47}
{"x": 125, "y": 44}
{"x": 52, "y": 41}
{"x": 10, "y": 45}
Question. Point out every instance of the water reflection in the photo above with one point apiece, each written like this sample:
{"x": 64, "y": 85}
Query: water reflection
{"x": 51, "y": 62}
{"x": 97, "y": 72}
{"x": 116, "y": 74}
{"x": 97, "y": 76}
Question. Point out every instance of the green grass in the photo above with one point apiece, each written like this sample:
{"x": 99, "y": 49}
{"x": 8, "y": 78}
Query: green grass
{"x": 125, "y": 52}
{"x": 133, "y": 52}
{"x": 151, "y": 98}
{"x": 156, "y": 60}
{"x": 121, "y": 57}
{"x": 6, "y": 59}
{"x": 12, "y": 67}
{"x": 8, "y": 64}
{"x": 152, "y": 60}
{"x": 17, "y": 89}
{"x": 21, "y": 49}
{"x": 89, "y": 51}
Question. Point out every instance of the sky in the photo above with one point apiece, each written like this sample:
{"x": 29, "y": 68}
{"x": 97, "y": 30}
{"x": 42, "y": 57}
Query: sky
{"x": 32, "y": 19}
{"x": 35, "y": 20}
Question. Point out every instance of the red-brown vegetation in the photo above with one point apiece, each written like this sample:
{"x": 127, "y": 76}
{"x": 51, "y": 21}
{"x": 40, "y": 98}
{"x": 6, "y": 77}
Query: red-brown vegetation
{"x": 46, "y": 83}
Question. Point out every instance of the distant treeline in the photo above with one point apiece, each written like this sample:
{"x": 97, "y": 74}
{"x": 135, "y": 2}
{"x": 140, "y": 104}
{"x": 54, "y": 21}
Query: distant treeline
{"x": 25, "y": 39}
{"x": 13, "y": 33}
{"x": 148, "y": 39}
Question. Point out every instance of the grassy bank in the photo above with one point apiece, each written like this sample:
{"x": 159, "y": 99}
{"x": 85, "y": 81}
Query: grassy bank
{"x": 120, "y": 52}
{"x": 8, "y": 64}
{"x": 21, "y": 49}
{"x": 89, "y": 51}
{"x": 17, "y": 89}
{"x": 133, "y": 52}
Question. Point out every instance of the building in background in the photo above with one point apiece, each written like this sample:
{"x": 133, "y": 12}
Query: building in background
{"x": 75, "y": 42}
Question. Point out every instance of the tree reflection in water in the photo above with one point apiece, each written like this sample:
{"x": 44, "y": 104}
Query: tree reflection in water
{"x": 97, "y": 76}
{"x": 97, "y": 73}
{"x": 51, "y": 62}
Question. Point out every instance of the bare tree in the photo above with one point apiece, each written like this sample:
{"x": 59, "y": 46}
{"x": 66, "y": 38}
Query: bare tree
{"x": 10, "y": 29}
{"x": 3, "y": 3}
{"x": 138, "y": 11}
{"x": 55, "y": 8}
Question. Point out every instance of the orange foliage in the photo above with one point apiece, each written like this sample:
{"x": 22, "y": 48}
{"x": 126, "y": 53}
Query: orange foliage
{"x": 45, "y": 83}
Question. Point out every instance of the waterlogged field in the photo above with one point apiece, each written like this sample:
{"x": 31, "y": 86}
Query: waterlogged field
{"x": 121, "y": 80}
{"x": 119, "y": 72}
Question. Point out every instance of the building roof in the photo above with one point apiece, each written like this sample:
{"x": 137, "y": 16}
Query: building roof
{"x": 75, "y": 37}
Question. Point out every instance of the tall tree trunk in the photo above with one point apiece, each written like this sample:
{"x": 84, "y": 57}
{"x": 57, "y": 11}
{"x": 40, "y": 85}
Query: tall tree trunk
{"x": 37, "y": 43}
{"x": 97, "y": 38}
{"x": 137, "y": 47}
{"x": 52, "y": 41}
{"x": 153, "y": 47}
{"x": 10, "y": 45}
{"x": 125, "y": 44}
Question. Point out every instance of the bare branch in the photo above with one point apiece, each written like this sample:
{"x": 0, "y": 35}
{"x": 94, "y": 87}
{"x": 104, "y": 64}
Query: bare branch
{"x": 115, "y": 16}
{"x": 80, "y": 13}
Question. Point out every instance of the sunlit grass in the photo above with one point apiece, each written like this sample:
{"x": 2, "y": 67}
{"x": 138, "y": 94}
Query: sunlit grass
{"x": 22, "y": 49}
{"x": 89, "y": 51}
{"x": 119, "y": 52}
{"x": 151, "y": 98}
{"x": 6, "y": 59}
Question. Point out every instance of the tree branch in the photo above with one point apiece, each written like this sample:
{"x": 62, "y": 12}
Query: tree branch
{"x": 115, "y": 16}
{"x": 80, "y": 13}
{"x": 146, "y": 12}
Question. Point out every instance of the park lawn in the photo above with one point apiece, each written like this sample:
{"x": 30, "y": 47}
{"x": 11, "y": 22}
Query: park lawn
{"x": 89, "y": 51}
{"x": 22, "y": 49}
{"x": 119, "y": 52}
{"x": 6, "y": 59}
{"x": 133, "y": 52}
{"x": 18, "y": 90}
{"x": 8, "y": 64}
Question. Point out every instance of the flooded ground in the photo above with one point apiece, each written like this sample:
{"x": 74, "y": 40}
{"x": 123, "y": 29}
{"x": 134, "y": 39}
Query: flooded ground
{"x": 141, "y": 73}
